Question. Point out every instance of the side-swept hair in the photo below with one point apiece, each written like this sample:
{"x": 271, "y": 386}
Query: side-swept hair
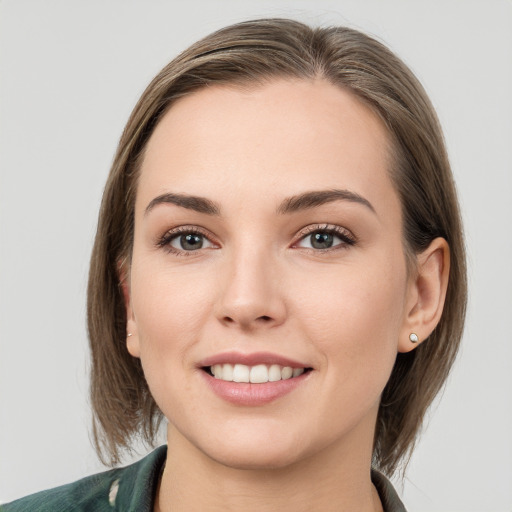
{"x": 256, "y": 52}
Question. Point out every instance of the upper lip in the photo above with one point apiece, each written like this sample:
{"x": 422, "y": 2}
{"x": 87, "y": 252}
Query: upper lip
{"x": 251, "y": 359}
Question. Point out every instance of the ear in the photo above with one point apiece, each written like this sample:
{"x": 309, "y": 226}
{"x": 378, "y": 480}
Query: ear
{"x": 426, "y": 294}
{"x": 132, "y": 336}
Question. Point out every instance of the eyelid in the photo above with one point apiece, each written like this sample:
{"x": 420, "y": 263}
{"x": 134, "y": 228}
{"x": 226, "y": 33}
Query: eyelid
{"x": 164, "y": 241}
{"x": 344, "y": 234}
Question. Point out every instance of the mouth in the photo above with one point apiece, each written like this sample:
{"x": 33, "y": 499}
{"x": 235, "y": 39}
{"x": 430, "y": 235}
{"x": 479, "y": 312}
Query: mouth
{"x": 254, "y": 379}
{"x": 257, "y": 374}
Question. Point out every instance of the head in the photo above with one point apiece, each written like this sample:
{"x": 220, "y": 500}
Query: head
{"x": 251, "y": 56}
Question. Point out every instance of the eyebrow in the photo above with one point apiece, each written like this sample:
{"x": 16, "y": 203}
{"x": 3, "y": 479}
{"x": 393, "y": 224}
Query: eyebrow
{"x": 292, "y": 204}
{"x": 319, "y": 197}
{"x": 196, "y": 203}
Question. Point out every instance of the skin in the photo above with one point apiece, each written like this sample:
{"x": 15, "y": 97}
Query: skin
{"x": 258, "y": 285}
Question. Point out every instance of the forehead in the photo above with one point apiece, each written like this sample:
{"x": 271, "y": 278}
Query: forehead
{"x": 293, "y": 134}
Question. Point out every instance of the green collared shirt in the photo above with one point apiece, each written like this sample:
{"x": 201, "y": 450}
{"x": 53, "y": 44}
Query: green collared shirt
{"x": 133, "y": 489}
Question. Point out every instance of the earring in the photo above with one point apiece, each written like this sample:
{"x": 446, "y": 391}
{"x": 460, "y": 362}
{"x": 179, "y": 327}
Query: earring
{"x": 413, "y": 337}
{"x": 129, "y": 334}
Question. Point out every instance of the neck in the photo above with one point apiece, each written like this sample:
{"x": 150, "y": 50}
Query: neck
{"x": 335, "y": 479}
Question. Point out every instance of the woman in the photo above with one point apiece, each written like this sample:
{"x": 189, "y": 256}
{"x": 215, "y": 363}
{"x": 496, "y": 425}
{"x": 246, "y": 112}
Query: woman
{"x": 278, "y": 271}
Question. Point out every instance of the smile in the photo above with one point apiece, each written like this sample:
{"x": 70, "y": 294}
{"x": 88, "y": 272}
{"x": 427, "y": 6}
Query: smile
{"x": 255, "y": 379}
{"x": 258, "y": 374}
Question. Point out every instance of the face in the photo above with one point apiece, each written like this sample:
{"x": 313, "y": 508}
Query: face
{"x": 268, "y": 285}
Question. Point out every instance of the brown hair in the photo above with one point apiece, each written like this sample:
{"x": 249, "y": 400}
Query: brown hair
{"x": 250, "y": 53}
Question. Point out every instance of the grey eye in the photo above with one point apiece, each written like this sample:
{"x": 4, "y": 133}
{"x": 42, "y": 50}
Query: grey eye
{"x": 320, "y": 240}
{"x": 190, "y": 242}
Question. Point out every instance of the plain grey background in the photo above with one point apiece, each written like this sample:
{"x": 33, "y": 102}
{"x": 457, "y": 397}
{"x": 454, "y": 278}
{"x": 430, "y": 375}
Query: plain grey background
{"x": 70, "y": 73}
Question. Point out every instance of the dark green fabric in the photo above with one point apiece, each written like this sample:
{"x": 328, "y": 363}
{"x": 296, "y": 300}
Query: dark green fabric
{"x": 137, "y": 488}
{"x": 387, "y": 494}
{"x": 137, "y": 485}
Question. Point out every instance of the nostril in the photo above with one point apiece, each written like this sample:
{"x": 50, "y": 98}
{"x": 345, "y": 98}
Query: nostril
{"x": 248, "y": 320}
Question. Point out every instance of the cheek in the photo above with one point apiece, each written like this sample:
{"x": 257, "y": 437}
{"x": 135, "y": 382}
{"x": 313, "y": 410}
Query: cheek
{"x": 169, "y": 309}
{"x": 168, "y": 320}
{"x": 168, "y": 305}
{"x": 353, "y": 316}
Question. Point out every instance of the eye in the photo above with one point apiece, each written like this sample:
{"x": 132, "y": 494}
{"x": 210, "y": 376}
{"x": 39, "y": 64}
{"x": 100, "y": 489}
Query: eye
{"x": 185, "y": 240}
{"x": 190, "y": 242}
{"x": 320, "y": 240}
{"x": 323, "y": 238}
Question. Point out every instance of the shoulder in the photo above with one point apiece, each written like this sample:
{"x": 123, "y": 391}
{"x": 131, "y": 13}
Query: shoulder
{"x": 130, "y": 488}
{"x": 86, "y": 494}
{"x": 387, "y": 494}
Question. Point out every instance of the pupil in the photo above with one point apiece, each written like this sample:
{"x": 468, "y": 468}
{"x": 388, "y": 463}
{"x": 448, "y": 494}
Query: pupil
{"x": 191, "y": 241}
{"x": 321, "y": 240}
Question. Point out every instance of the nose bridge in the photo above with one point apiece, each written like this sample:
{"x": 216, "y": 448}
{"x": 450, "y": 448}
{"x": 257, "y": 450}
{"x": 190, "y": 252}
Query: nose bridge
{"x": 249, "y": 290}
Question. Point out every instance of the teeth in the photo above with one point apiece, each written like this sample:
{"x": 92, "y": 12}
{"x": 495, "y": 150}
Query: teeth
{"x": 241, "y": 373}
{"x": 297, "y": 372}
{"x": 286, "y": 373}
{"x": 258, "y": 374}
{"x": 274, "y": 373}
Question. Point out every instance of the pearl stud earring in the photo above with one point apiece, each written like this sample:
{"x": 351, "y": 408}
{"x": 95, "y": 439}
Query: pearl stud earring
{"x": 413, "y": 337}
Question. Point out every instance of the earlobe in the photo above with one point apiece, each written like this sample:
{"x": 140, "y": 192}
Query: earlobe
{"x": 426, "y": 295}
{"x": 132, "y": 344}
{"x": 132, "y": 338}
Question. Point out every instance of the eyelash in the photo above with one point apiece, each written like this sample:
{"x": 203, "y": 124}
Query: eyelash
{"x": 165, "y": 241}
{"x": 346, "y": 237}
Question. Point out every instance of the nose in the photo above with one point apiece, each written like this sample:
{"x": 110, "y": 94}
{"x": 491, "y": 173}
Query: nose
{"x": 251, "y": 291}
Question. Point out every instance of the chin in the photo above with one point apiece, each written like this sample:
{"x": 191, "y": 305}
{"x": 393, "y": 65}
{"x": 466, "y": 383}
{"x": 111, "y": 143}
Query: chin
{"x": 264, "y": 449}
{"x": 255, "y": 458}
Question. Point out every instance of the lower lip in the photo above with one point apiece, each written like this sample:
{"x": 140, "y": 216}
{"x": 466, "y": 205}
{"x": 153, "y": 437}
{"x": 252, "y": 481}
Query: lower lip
{"x": 247, "y": 394}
